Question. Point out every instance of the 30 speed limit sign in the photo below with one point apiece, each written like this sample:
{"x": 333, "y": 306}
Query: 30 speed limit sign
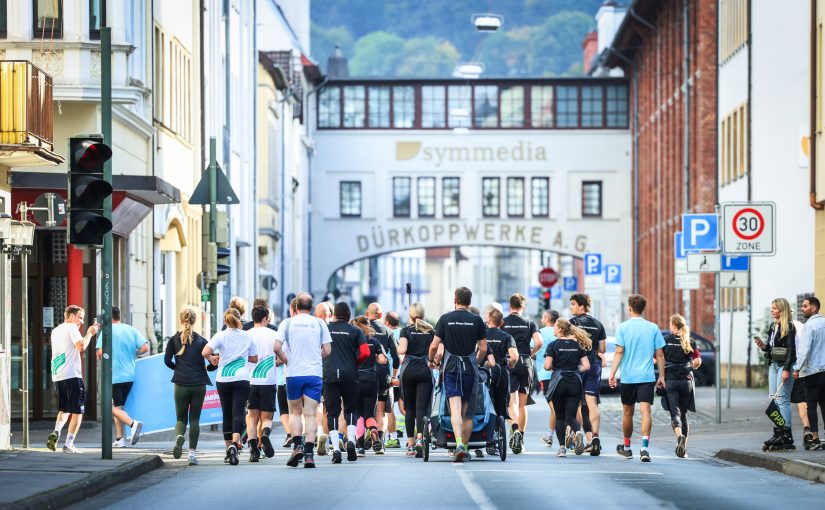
{"x": 749, "y": 228}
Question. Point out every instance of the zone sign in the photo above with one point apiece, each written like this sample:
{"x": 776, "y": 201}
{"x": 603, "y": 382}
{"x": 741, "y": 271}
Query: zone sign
{"x": 749, "y": 228}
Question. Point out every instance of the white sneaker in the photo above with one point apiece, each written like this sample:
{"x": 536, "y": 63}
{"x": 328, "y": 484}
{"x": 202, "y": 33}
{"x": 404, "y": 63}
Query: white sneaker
{"x": 138, "y": 426}
{"x": 119, "y": 443}
{"x": 562, "y": 451}
{"x": 547, "y": 440}
{"x": 70, "y": 449}
{"x": 193, "y": 460}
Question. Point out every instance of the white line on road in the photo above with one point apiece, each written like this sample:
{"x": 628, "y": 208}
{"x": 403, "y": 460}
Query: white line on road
{"x": 576, "y": 472}
{"x": 475, "y": 491}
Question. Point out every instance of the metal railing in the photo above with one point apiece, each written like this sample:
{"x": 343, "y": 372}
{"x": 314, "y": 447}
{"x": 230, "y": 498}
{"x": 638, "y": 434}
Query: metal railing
{"x": 26, "y": 116}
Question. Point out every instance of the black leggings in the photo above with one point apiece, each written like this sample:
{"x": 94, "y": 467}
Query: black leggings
{"x": 566, "y": 400}
{"x": 188, "y": 406}
{"x": 678, "y": 399}
{"x": 367, "y": 396}
{"x": 500, "y": 388}
{"x": 233, "y": 404}
{"x": 334, "y": 392}
{"x": 815, "y": 389}
{"x": 417, "y": 388}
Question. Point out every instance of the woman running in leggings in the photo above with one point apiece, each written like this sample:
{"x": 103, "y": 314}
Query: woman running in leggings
{"x": 681, "y": 358}
{"x": 235, "y": 347}
{"x": 183, "y": 355}
{"x": 368, "y": 383}
{"x": 416, "y": 378}
{"x": 567, "y": 358}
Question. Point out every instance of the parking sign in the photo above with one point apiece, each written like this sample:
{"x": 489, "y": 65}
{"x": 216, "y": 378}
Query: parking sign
{"x": 678, "y": 246}
{"x": 700, "y": 232}
{"x": 592, "y": 264}
{"x": 571, "y": 283}
{"x": 613, "y": 273}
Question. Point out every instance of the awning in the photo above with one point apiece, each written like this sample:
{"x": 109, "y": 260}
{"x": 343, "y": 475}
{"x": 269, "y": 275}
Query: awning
{"x": 147, "y": 189}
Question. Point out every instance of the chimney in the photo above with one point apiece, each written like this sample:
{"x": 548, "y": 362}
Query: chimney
{"x": 608, "y": 20}
{"x": 337, "y": 64}
{"x": 590, "y": 45}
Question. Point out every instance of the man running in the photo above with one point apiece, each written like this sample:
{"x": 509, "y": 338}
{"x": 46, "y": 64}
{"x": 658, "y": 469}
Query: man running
{"x": 283, "y": 404}
{"x": 307, "y": 342}
{"x": 521, "y": 376}
{"x": 323, "y": 311}
{"x": 548, "y": 322}
{"x": 637, "y": 342}
{"x": 592, "y": 379}
{"x": 387, "y": 376}
{"x": 393, "y": 321}
{"x": 67, "y": 344}
{"x": 462, "y": 333}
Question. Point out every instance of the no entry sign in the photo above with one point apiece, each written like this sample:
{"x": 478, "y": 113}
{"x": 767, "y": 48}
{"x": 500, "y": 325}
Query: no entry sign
{"x": 548, "y": 277}
{"x": 749, "y": 228}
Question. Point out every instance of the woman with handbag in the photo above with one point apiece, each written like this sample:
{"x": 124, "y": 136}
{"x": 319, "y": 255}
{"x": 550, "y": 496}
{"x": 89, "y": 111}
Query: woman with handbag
{"x": 681, "y": 359}
{"x": 781, "y": 353}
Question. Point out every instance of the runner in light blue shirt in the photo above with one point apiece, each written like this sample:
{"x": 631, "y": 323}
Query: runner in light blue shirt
{"x": 548, "y": 322}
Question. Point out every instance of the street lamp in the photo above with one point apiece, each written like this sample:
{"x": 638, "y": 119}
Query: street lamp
{"x": 469, "y": 70}
{"x": 487, "y": 22}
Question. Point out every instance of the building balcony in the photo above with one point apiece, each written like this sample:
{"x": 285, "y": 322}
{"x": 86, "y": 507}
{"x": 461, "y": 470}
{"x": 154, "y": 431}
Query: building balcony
{"x": 26, "y": 117}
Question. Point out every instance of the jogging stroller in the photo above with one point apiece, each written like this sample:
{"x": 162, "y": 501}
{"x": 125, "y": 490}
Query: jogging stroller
{"x": 489, "y": 430}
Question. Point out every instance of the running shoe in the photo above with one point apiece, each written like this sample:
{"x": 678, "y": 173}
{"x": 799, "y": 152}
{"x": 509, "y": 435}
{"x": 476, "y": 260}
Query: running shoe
{"x": 177, "y": 451}
{"x": 362, "y": 452}
{"x": 336, "y": 457}
{"x": 70, "y": 449}
{"x": 322, "y": 444}
{"x": 295, "y": 458}
{"x": 460, "y": 455}
{"x": 341, "y": 445}
{"x": 309, "y": 460}
{"x": 374, "y": 441}
{"x": 410, "y": 451}
{"x": 807, "y": 439}
{"x": 232, "y": 453}
{"x": 595, "y": 447}
{"x": 644, "y": 456}
{"x": 680, "y": 446}
{"x": 378, "y": 447}
{"x": 547, "y": 440}
{"x": 352, "y": 455}
{"x": 119, "y": 443}
{"x": 287, "y": 441}
{"x": 52, "y": 441}
{"x": 392, "y": 443}
{"x": 368, "y": 442}
{"x": 269, "y": 451}
{"x": 137, "y": 426}
{"x": 254, "y": 455}
{"x": 569, "y": 438}
{"x": 419, "y": 449}
{"x": 562, "y": 452}
{"x": 817, "y": 445}
{"x": 623, "y": 451}
{"x": 518, "y": 445}
{"x": 578, "y": 443}
{"x": 193, "y": 461}
{"x": 479, "y": 454}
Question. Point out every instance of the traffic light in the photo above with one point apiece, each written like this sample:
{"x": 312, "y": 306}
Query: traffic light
{"x": 87, "y": 191}
{"x": 217, "y": 262}
{"x": 223, "y": 264}
{"x": 546, "y": 297}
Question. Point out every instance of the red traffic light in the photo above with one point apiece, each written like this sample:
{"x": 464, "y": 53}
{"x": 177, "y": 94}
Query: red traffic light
{"x": 546, "y": 294}
{"x": 90, "y": 156}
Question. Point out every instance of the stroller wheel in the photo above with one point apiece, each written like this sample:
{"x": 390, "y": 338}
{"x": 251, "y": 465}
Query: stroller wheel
{"x": 426, "y": 442}
{"x": 502, "y": 439}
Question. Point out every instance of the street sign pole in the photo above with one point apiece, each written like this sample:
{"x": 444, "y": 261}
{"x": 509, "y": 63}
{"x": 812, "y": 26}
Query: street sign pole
{"x": 717, "y": 363}
{"x": 106, "y": 262}
{"x": 213, "y": 228}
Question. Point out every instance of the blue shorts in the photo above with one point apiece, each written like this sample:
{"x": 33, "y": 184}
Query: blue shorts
{"x": 304, "y": 385}
{"x": 459, "y": 386}
{"x": 592, "y": 379}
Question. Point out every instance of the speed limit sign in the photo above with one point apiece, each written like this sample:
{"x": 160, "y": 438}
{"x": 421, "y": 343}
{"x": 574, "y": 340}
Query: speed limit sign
{"x": 749, "y": 228}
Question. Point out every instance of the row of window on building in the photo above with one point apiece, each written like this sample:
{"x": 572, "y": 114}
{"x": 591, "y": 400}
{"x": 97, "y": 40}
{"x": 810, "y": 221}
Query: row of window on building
{"x": 513, "y": 201}
{"x": 48, "y": 18}
{"x": 503, "y": 105}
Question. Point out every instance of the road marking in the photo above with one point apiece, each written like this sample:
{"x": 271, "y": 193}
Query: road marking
{"x": 475, "y": 491}
{"x": 577, "y": 472}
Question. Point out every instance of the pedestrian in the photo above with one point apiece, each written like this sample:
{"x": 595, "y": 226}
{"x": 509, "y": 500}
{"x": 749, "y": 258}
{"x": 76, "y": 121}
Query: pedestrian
{"x": 780, "y": 350}
{"x": 502, "y": 355}
{"x": 230, "y": 350}
{"x": 568, "y": 359}
{"x": 387, "y": 379}
{"x": 307, "y": 342}
{"x": 462, "y": 334}
{"x": 190, "y": 379}
{"x": 681, "y": 359}
{"x": 260, "y": 302}
{"x": 416, "y": 379}
{"x": 638, "y": 342}
{"x": 67, "y": 343}
{"x": 283, "y": 403}
{"x": 810, "y": 366}
{"x": 392, "y": 321}
{"x": 262, "y": 385}
{"x": 368, "y": 386}
{"x": 349, "y": 349}
{"x": 548, "y": 336}
{"x": 127, "y": 344}
{"x": 237, "y": 303}
{"x": 528, "y": 342}
{"x": 323, "y": 311}
{"x": 592, "y": 380}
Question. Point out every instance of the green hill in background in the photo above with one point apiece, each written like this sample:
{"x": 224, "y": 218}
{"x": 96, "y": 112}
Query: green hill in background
{"x": 427, "y": 38}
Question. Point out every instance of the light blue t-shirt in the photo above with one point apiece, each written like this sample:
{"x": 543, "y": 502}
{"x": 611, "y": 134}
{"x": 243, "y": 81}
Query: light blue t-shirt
{"x": 126, "y": 340}
{"x": 547, "y": 337}
{"x": 640, "y": 339}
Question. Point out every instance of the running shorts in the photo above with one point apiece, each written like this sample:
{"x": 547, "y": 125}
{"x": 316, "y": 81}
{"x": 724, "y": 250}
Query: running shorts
{"x": 304, "y": 385}
{"x": 521, "y": 377}
{"x": 262, "y": 397}
{"x": 283, "y": 405}
{"x": 592, "y": 379}
{"x": 71, "y": 396}
{"x": 120, "y": 392}
{"x": 396, "y": 393}
{"x": 456, "y": 385}
{"x": 637, "y": 393}
{"x": 798, "y": 393}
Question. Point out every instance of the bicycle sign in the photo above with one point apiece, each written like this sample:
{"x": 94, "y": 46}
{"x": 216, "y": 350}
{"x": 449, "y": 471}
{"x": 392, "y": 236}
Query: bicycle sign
{"x": 749, "y": 228}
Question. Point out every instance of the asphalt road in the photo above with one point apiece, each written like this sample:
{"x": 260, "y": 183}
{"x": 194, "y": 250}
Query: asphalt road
{"x": 534, "y": 479}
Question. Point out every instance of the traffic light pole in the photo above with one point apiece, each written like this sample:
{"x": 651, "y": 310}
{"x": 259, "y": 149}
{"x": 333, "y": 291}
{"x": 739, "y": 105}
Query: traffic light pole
{"x": 213, "y": 228}
{"x": 106, "y": 263}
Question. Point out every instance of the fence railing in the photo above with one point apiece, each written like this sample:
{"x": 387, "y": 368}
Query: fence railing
{"x": 26, "y": 116}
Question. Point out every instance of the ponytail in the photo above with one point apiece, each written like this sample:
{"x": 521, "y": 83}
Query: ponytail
{"x": 187, "y": 319}
{"x": 581, "y": 336}
{"x": 417, "y": 318}
{"x": 232, "y": 318}
{"x": 683, "y": 331}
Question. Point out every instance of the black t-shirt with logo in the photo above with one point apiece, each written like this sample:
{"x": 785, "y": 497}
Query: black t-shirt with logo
{"x": 594, "y": 328}
{"x": 342, "y": 362}
{"x": 567, "y": 355}
{"x": 677, "y": 361}
{"x": 387, "y": 340}
{"x": 498, "y": 343}
{"x": 460, "y": 331}
{"x": 522, "y": 332}
{"x": 418, "y": 343}
{"x": 369, "y": 368}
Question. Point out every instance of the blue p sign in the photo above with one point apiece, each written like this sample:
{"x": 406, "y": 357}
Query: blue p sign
{"x": 613, "y": 273}
{"x": 592, "y": 264}
{"x": 571, "y": 283}
{"x": 678, "y": 247}
{"x": 735, "y": 263}
{"x": 701, "y": 232}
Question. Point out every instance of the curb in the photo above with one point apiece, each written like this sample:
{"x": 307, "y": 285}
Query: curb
{"x": 93, "y": 484}
{"x": 803, "y": 469}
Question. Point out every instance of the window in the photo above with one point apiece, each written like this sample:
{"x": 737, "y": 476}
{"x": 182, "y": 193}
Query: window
{"x": 616, "y": 106}
{"x": 567, "y": 106}
{"x": 490, "y": 197}
{"x": 733, "y": 27}
{"x": 329, "y": 108}
{"x": 426, "y": 197}
{"x": 350, "y": 199}
{"x": 733, "y": 145}
{"x": 97, "y": 17}
{"x": 136, "y": 36}
{"x": 515, "y": 196}
{"x": 592, "y": 107}
{"x": 3, "y": 18}
{"x": 451, "y": 196}
{"x": 172, "y": 85}
{"x": 432, "y": 107}
{"x": 512, "y": 107}
{"x": 541, "y": 106}
{"x": 486, "y": 106}
{"x": 540, "y": 197}
{"x": 379, "y": 106}
{"x": 157, "y": 89}
{"x": 459, "y": 106}
{"x": 354, "y": 106}
{"x": 403, "y": 106}
{"x": 401, "y": 197}
{"x": 592, "y": 199}
{"x": 48, "y": 19}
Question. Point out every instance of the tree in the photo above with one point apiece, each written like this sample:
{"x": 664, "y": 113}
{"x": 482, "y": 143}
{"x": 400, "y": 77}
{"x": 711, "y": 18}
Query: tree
{"x": 376, "y": 54}
{"x": 323, "y": 41}
{"x": 424, "y": 57}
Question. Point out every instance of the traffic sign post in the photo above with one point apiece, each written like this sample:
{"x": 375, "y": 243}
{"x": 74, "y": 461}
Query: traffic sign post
{"x": 734, "y": 280}
{"x": 570, "y": 283}
{"x": 678, "y": 246}
{"x": 700, "y": 232}
{"x": 735, "y": 263}
{"x": 749, "y": 228}
{"x": 704, "y": 262}
{"x": 684, "y": 279}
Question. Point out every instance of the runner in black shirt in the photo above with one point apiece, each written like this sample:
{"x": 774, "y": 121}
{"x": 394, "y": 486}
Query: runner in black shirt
{"x": 521, "y": 376}
{"x": 416, "y": 378}
{"x": 681, "y": 358}
{"x": 567, "y": 358}
{"x": 592, "y": 380}
{"x": 462, "y": 333}
{"x": 349, "y": 348}
{"x": 368, "y": 382}
{"x": 501, "y": 354}
{"x": 386, "y": 373}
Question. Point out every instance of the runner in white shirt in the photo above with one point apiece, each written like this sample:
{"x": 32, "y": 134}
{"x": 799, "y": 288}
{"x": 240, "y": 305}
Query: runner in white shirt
{"x": 67, "y": 373}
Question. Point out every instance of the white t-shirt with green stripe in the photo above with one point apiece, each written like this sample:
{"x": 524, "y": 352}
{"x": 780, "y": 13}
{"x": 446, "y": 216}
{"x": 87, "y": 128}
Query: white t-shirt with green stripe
{"x": 235, "y": 346}
{"x": 262, "y": 373}
{"x": 65, "y": 357}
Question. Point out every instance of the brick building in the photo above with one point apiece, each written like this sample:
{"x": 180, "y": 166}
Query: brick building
{"x": 674, "y": 138}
